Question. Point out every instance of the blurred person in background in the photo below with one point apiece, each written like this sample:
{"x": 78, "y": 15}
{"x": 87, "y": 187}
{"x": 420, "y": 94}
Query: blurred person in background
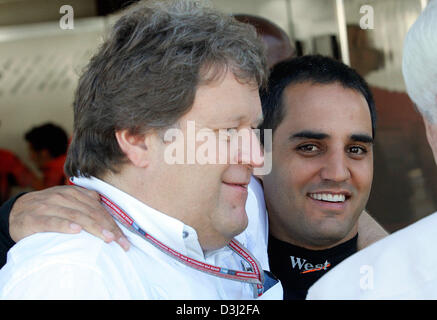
{"x": 276, "y": 41}
{"x": 47, "y": 146}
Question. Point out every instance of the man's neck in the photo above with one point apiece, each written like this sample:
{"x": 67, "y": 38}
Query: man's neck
{"x": 135, "y": 187}
{"x": 314, "y": 244}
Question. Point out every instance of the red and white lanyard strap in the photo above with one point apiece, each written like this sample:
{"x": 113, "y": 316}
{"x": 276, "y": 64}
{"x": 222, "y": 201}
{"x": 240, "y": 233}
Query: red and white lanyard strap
{"x": 255, "y": 275}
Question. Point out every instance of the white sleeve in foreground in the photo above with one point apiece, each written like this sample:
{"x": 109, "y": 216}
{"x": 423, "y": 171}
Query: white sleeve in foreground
{"x": 400, "y": 266}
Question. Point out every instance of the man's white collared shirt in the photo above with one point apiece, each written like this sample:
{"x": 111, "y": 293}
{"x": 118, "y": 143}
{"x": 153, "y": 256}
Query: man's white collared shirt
{"x": 81, "y": 266}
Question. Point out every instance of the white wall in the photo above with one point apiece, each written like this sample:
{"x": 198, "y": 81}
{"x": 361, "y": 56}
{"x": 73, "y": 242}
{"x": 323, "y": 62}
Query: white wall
{"x": 39, "y": 68}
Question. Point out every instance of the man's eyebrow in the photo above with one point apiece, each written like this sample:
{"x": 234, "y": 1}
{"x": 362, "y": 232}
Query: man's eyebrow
{"x": 365, "y": 138}
{"x": 306, "y": 134}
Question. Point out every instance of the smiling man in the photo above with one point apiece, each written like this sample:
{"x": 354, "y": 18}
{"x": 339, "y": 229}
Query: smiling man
{"x": 322, "y": 115}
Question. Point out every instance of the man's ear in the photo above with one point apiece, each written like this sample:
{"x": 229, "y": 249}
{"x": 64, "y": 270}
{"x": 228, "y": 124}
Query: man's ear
{"x": 134, "y": 147}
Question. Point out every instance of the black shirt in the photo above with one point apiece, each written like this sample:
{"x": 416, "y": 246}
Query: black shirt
{"x": 298, "y": 268}
{"x": 6, "y": 241}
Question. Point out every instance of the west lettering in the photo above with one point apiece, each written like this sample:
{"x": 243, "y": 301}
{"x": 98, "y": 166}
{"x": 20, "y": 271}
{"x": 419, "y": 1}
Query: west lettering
{"x": 301, "y": 263}
{"x": 309, "y": 266}
{"x": 297, "y": 261}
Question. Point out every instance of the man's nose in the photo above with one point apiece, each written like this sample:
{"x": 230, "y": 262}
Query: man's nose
{"x": 250, "y": 151}
{"x": 335, "y": 166}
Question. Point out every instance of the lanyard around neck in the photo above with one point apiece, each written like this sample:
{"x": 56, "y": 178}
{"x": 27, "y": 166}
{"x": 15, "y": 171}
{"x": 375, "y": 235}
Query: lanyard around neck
{"x": 254, "y": 275}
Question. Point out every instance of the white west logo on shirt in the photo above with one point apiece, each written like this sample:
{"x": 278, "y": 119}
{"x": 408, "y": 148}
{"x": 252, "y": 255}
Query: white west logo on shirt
{"x": 307, "y": 267}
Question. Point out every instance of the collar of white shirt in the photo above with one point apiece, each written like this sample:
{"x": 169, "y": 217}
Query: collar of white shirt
{"x": 170, "y": 231}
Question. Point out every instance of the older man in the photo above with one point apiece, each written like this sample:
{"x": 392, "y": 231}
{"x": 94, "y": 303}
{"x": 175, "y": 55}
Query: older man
{"x": 71, "y": 209}
{"x": 165, "y": 65}
{"x": 401, "y": 266}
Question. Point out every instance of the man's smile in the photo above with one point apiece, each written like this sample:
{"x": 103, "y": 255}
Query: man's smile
{"x": 327, "y": 200}
{"x": 329, "y": 197}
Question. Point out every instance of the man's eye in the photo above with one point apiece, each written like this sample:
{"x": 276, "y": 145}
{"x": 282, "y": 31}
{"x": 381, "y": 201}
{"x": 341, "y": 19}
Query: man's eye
{"x": 308, "y": 148}
{"x": 357, "y": 150}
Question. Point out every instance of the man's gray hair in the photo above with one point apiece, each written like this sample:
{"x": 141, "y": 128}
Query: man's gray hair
{"x": 145, "y": 75}
{"x": 419, "y": 63}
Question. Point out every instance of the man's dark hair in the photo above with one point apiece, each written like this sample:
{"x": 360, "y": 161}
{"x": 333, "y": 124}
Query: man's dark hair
{"x": 315, "y": 69}
{"x": 145, "y": 75}
{"x": 48, "y": 137}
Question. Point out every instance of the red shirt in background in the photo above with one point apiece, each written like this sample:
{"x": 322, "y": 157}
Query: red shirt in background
{"x": 53, "y": 172}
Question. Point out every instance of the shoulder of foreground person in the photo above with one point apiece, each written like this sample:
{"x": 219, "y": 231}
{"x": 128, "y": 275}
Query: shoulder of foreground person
{"x": 400, "y": 266}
